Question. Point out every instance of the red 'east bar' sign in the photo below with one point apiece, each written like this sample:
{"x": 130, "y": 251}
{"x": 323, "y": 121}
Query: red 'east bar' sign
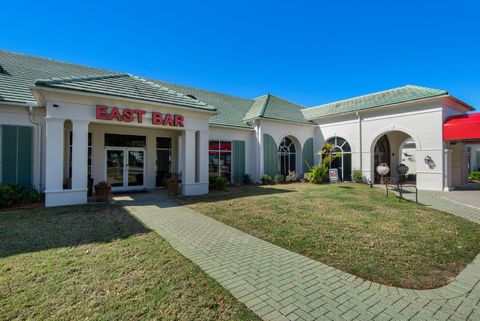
{"x": 129, "y": 115}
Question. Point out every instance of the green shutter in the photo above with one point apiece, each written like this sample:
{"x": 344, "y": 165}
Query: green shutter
{"x": 9, "y": 154}
{"x": 24, "y": 167}
{"x": 308, "y": 158}
{"x": 238, "y": 155}
{"x": 17, "y": 155}
{"x": 270, "y": 156}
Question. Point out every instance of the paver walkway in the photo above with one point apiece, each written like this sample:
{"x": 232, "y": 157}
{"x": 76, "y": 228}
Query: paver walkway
{"x": 278, "y": 284}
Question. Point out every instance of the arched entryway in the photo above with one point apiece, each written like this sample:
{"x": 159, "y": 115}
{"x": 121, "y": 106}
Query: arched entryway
{"x": 394, "y": 148}
{"x": 287, "y": 156}
{"x": 343, "y": 162}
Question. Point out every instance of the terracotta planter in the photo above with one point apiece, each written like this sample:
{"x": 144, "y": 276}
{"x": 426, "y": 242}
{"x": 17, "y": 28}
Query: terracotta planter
{"x": 172, "y": 188}
{"x": 103, "y": 192}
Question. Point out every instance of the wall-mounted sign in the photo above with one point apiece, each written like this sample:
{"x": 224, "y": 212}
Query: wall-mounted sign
{"x": 129, "y": 115}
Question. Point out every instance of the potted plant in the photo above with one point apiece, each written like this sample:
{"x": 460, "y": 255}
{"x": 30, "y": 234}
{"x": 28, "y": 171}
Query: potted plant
{"x": 172, "y": 183}
{"x": 103, "y": 191}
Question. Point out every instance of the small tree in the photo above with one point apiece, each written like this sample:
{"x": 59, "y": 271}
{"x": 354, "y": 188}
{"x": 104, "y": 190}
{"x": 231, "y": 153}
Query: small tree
{"x": 318, "y": 174}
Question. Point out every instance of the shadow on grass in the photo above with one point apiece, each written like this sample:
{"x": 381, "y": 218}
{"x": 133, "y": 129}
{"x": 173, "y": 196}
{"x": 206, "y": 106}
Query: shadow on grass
{"x": 234, "y": 192}
{"x": 23, "y": 231}
{"x": 161, "y": 200}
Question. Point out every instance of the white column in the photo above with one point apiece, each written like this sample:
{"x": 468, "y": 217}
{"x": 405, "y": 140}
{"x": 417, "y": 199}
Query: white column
{"x": 79, "y": 156}
{"x": 188, "y": 158}
{"x": 203, "y": 166}
{"x": 447, "y": 170}
{"x": 54, "y": 155}
{"x": 189, "y": 186}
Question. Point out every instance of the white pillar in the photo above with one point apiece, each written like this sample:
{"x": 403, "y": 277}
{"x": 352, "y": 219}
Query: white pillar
{"x": 188, "y": 158}
{"x": 53, "y": 156}
{"x": 203, "y": 166}
{"x": 447, "y": 169}
{"x": 189, "y": 186}
{"x": 80, "y": 156}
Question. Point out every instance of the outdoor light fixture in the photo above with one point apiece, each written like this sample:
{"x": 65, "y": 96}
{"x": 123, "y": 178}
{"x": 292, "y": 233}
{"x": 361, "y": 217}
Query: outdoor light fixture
{"x": 429, "y": 162}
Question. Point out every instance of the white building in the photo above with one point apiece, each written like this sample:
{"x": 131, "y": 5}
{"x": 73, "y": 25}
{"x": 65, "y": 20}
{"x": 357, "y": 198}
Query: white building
{"x": 64, "y": 127}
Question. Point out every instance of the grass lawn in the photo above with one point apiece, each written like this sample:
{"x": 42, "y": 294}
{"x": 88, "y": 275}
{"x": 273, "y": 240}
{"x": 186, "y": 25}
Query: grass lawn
{"x": 351, "y": 227}
{"x": 98, "y": 262}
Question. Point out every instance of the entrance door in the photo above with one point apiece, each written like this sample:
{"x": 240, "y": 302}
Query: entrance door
{"x": 125, "y": 168}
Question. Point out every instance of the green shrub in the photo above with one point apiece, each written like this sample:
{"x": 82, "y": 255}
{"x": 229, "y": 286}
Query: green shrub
{"x": 317, "y": 175}
{"x": 357, "y": 176}
{"x": 13, "y": 194}
{"x": 218, "y": 182}
{"x": 475, "y": 175}
{"x": 247, "y": 179}
{"x": 278, "y": 179}
{"x": 266, "y": 180}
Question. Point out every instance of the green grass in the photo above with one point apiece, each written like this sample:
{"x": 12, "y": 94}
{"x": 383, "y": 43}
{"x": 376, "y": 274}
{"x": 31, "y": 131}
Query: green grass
{"x": 98, "y": 263}
{"x": 352, "y": 227}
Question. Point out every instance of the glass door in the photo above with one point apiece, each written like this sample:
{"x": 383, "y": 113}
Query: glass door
{"x": 135, "y": 168}
{"x": 115, "y": 164}
{"x": 125, "y": 168}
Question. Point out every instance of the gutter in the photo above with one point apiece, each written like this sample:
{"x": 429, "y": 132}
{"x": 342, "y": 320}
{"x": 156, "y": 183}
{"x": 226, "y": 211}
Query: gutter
{"x": 31, "y": 105}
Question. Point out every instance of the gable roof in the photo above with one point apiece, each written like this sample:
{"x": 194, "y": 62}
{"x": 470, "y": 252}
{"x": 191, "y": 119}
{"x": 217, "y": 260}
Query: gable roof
{"x": 378, "y": 99}
{"x": 124, "y": 85}
{"x": 276, "y": 108}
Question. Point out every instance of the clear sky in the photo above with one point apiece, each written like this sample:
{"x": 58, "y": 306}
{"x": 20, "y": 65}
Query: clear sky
{"x": 310, "y": 52}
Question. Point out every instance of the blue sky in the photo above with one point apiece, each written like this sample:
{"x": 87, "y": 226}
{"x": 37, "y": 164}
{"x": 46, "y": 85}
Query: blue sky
{"x": 310, "y": 52}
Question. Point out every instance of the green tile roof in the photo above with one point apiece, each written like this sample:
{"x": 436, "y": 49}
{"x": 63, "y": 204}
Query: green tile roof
{"x": 230, "y": 109}
{"x": 273, "y": 107}
{"x": 383, "y": 98}
{"x": 124, "y": 85}
{"x": 21, "y": 72}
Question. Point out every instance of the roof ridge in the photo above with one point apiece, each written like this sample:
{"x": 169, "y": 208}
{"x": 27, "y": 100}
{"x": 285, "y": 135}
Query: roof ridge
{"x": 264, "y": 106}
{"x": 151, "y": 83}
{"x": 55, "y": 60}
{"x": 57, "y": 80}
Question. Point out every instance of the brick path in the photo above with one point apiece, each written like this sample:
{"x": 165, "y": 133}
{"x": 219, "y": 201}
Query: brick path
{"x": 278, "y": 284}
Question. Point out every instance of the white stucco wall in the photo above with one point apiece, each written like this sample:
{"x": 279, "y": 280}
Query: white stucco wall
{"x": 422, "y": 121}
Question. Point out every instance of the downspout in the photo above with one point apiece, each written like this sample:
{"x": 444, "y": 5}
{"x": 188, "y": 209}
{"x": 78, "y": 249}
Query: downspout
{"x": 360, "y": 140}
{"x": 31, "y": 105}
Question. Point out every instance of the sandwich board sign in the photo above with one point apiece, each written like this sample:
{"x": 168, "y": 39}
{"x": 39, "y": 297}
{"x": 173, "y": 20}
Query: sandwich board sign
{"x": 333, "y": 175}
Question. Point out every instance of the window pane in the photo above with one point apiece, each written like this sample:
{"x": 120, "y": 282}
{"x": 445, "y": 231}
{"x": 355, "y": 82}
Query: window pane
{"x": 213, "y": 158}
{"x": 124, "y": 140}
{"x": 213, "y": 145}
{"x": 164, "y": 142}
{"x": 225, "y": 146}
{"x": 225, "y": 165}
{"x": 346, "y": 148}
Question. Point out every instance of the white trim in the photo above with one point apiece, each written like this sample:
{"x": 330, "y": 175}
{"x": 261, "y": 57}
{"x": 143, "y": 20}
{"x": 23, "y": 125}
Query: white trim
{"x": 113, "y": 97}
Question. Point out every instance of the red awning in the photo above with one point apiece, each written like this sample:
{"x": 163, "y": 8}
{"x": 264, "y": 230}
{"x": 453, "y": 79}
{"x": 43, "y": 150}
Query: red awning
{"x": 462, "y": 127}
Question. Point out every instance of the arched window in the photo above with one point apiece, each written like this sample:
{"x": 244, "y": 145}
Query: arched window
{"x": 344, "y": 162}
{"x": 286, "y": 154}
